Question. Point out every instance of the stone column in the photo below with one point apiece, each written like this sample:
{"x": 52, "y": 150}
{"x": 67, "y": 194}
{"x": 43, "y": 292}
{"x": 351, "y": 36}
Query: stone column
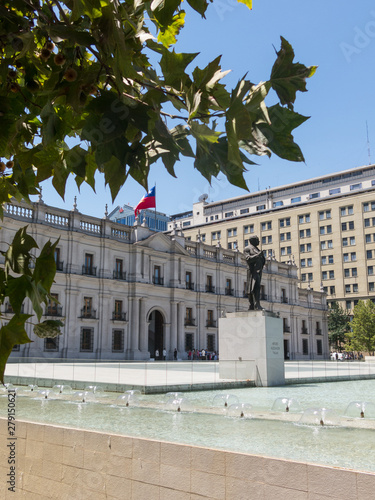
{"x": 201, "y": 326}
{"x": 134, "y": 327}
{"x": 180, "y": 327}
{"x": 143, "y": 328}
{"x": 167, "y": 339}
{"x": 173, "y": 328}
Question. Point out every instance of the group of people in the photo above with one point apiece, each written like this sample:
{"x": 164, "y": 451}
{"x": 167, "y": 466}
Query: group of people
{"x": 193, "y": 355}
{"x": 164, "y": 357}
{"x": 196, "y": 354}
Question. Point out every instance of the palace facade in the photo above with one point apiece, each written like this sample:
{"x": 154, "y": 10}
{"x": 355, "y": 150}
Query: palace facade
{"x": 125, "y": 292}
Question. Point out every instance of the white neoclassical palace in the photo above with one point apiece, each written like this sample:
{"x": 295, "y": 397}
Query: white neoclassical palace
{"x": 126, "y": 292}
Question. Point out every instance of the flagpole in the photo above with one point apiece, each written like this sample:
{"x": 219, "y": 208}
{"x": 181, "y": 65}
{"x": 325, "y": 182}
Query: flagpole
{"x": 155, "y": 208}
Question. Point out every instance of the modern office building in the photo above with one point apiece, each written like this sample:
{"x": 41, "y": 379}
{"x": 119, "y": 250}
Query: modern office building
{"x": 327, "y": 224}
{"x": 126, "y": 291}
{"x": 157, "y": 221}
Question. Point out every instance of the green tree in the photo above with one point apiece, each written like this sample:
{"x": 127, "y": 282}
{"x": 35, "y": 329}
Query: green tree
{"x": 362, "y": 337}
{"x": 81, "y": 70}
{"x": 338, "y": 326}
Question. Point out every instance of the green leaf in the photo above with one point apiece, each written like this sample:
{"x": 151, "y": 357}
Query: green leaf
{"x": 164, "y": 10}
{"x": 17, "y": 290}
{"x": 204, "y": 135}
{"x": 173, "y": 67}
{"x": 288, "y": 77}
{"x": 199, "y": 5}
{"x": 45, "y": 265}
{"x": 114, "y": 174}
{"x": 278, "y": 132}
{"x": 17, "y": 257}
{"x": 12, "y": 334}
{"x": 167, "y": 36}
{"x": 57, "y": 32}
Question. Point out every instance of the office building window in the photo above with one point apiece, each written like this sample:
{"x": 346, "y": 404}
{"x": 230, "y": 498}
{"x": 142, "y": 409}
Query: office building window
{"x": 371, "y": 286}
{"x": 369, "y": 206}
{"x": 355, "y": 287}
{"x": 266, "y": 225}
{"x": 346, "y": 210}
{"x": 297, "y": 199}
{"x": 304, "y": 233}
{"x": 305, "y": 247}
{"x": 232, "y": 232}
{"x": 370, "y": 270}
{"x": 286, "y": 250}
{"x": 216, "y": 235}
{"x": 244, "y": 211}
{"x": 285, "y": 236}
{"x": 325, "y": 229}
{"x": 302, "y": 219}
{"x": 261, "y": 207}
{"x": 228, "y": 214}
{"x": 278, "y": 204}
{"x": 325, "y": 214}
{"x": 335, "y": 191}
{"x": 345, "y": 226}
{"x": 248, "y": 229}
{"x": 266, "y": 240}
{"x": 356, "y": 186}
{"x": 284, "y": 222}
{"x": 314, "y": 196}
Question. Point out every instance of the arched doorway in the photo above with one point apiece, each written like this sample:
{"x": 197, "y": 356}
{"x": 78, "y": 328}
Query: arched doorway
{"x": 155, "y": 334}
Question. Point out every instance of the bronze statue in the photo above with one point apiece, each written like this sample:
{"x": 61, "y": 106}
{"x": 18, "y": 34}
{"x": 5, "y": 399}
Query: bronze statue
{"x": 255, "y": 261}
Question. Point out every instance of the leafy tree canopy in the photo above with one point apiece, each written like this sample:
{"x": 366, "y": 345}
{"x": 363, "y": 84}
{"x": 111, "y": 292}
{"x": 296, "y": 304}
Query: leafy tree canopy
{"x": 79, "y": 94}
{"x": 81, "y": 69}
{"x": 338, "y": 326}
{"x": 362, "y": 337}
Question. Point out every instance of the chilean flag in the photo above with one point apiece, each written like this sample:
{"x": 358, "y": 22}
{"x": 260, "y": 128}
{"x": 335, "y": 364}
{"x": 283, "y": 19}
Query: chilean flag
{"x": 148, "y": 201}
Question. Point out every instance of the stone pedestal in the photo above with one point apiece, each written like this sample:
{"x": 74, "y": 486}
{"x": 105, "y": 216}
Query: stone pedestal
{"x": 251, "y": 347}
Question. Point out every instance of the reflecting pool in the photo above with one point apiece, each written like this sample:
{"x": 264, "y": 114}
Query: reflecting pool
{"x": 201, "y": 418}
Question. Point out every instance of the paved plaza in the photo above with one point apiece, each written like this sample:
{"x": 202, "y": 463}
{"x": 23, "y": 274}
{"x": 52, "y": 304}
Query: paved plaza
{"x": 180, "y": 375}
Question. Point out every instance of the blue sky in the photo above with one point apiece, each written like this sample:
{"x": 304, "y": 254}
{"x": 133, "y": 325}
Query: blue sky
{"x": 337, "y": 36}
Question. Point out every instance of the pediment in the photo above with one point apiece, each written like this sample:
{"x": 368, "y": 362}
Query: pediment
{"x": 162, "y": 243}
